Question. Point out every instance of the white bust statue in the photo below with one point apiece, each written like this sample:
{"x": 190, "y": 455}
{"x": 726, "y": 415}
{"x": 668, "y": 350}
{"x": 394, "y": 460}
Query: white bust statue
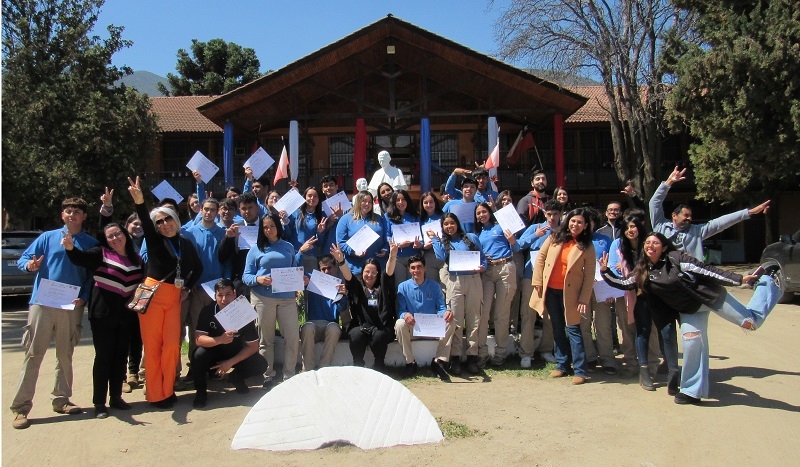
{"x": 361, "y": 185}
{"x": 387, "y": 173}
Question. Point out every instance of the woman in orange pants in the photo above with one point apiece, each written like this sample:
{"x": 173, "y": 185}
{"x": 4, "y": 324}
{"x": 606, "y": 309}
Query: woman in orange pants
{"x": 173, "y": 260}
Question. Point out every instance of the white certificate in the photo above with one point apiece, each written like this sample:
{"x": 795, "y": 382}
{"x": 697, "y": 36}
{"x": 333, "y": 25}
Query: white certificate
{"x": 165, "y": 190}
{"x": 287, "y": 279}
{"x": 435, "y": 227}
{"x": 260, "y": 161}
{"x": 406, "y": 232}
{"x": 200, "y": 163}
{"x": 464, "y": 211}
{"x": 324, "y": 284}
{"x": 428, "y": 325}
{"x": 57, "y": 294}
{"x": 509, "y": 219}
{"x": 461, "y": 260}
{"x": 238, "y": 314}
{"x": 208, "y": 287}
{"x": 290, "y": 202}
{"x": 331, "y": 203}
{"x": 363, "y": 239}
{"x": 603, "y": 291}
{"x": 248, "y": 236}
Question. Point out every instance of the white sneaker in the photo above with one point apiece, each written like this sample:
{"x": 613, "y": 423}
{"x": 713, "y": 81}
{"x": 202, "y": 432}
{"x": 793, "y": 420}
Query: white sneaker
{"x": 525, "y": 362}
{"x": 549, "y": 357}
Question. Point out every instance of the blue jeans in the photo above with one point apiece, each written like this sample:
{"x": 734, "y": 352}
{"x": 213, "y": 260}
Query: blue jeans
{"x": 694, "y": 332}
{"x": 567, "y": 338}
{"x": 641, "y": 315}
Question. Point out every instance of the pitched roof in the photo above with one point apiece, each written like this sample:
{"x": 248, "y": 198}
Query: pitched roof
{"x": 180, "y": 115}
{"x": 594, "y": 110}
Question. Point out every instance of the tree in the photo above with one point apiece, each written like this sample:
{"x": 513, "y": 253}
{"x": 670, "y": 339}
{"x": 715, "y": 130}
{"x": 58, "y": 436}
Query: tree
{"x": 217, "y": 67}
{"x": 620, "y": 42}
{"x": 739, "y": 95}
{"x": 67, "y": 131}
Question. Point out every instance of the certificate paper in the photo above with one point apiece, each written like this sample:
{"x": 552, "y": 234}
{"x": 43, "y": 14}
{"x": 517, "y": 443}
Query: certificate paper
{"x": 287, "y": 279}
{"x": 428, "y": 325}
{"x": 509, "y": 219}
{"x": 406, "y": 232}
{"x": 260, "y": 161}
{"x": 165, "y": 190}
{"x": 461, "y": 260}
{"x": 435, "y": 226}
{"x": 363, "y": 239}
{"x": 208, "y": 287}
{"x": 248, "y": 235}
{"x": 465, "y": 212}
{"x": 57, "y": 294}
{"x": 290, "y": 202}
{"x": 331, "y": 203}
{"x": 200, "y": 163}
{"x": 238, "y": 314}
{"x": 602, "y": 290}
{"x": 324, "y": 284}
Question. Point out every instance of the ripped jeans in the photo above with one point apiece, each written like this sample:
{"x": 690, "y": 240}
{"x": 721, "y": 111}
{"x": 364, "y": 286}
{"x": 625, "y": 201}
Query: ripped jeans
{"x": 694, "y": 332}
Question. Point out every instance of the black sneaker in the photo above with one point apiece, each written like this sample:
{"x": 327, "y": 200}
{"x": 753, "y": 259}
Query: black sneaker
{"x": 200, "y": 399}
{"x": 684, "y": 399}
{"x": 100, "y": 411}
{"x": 411, "y": 370}
{"x": 455, "y": 366}
{"x": 472, "y": 365}
{"x": 610, "y": 370}
{"x": 238, "y": 382}
{"x": 268, "y": 384}
{"x": 438, "y": 370}
{"x": 119, "y": 404}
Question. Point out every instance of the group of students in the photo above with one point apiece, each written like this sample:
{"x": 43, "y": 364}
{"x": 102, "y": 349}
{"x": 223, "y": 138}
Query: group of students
{"x": 546, "y": 271}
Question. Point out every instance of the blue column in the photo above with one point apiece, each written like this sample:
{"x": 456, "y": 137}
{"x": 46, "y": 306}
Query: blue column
{"x": 227, "y": 153}
{"x": 425, "y": 155}
{"x": 294, "y": 149}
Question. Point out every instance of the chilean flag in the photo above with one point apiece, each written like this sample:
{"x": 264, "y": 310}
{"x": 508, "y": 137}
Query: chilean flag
{"x": 493, "y": 161}
{"x": 282, "y": 170}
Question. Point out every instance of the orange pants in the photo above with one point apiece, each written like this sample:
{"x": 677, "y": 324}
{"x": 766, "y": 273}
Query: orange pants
{"x": 161, "y": 334}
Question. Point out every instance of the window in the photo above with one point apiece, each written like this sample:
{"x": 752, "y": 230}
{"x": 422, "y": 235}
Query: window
{"x": 340, "y": 151}
{"x": 444, "y": 150}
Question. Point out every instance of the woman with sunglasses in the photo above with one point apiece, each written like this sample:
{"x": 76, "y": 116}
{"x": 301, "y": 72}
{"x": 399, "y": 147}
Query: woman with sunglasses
{"x": 173, "y": 261}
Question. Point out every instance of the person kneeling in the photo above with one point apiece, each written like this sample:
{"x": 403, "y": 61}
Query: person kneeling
{"x": 419, "y": 295}
{"x": 222, "y": 350}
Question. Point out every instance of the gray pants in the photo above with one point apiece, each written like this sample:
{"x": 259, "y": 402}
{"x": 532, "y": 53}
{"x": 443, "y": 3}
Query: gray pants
{"x": 319, "y": 331}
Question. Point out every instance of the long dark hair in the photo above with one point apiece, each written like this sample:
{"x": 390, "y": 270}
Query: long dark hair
{"x": 383, "y": 206}
{"x": 130, "y": 250}
{"x": 394, "y": 214}
{"x": 262, "y": 241}
{"x": 423, "y": 214}
{"x": 562, "y": 233}
{"x": 459, "y": 233}
{"x": 317, "y": 209}
{"x": 478, "y": 227}
{"x": 374, "y": 262}
{"x": 643, "y": 264}
{"x": 629, "y": 253}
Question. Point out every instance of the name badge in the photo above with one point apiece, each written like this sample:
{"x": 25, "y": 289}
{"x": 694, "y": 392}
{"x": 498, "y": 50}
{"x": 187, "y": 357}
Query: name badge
{"x": 372, "y": 302}
{"x": 179, "y": 283}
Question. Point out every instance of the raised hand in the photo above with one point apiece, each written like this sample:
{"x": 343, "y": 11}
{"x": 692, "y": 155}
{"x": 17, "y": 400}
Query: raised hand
{"x": 67, "y": 242}
{"x": 603, "y": 262}
{"x": 761, "y": 208}
{"x": 197, "y": 177}
{"x": 135, "y": 189}
{"x": 34, "y": 264}
{"x": 337, "y": 253}
{"x": 248, "y": 173}
{"x": 322, "y": 225}
{"x": 107, "y": 198}
{"x": 629, "y": 191}
{"x": 675, "y": 176}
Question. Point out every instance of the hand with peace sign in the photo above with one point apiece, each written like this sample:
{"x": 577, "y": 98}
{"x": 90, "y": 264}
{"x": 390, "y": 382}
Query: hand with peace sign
{"x": 136, "y": 191}
{"x": 107, "y": 198}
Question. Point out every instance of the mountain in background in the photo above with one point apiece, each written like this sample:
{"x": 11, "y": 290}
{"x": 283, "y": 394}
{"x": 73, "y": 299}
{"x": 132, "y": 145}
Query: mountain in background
{"x": 563, "y": 79}
{"x": 144, "y": 82}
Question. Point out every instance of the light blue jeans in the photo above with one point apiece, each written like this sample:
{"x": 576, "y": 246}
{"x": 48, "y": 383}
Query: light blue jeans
{"x": 694, "y": 332}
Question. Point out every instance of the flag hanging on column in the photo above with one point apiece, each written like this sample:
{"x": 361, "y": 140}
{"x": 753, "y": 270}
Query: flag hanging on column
{"x": 493, "y": 161}
{"x": 282, "y": 170}
{"x": 521, "y": 145}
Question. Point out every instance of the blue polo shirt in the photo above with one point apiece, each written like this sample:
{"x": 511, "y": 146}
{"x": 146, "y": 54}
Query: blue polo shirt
{"x": 420, "y": 298}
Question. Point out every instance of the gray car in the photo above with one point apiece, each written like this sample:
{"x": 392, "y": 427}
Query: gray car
{"x": 786, "y": 253}
{"x": 15, "y": 242}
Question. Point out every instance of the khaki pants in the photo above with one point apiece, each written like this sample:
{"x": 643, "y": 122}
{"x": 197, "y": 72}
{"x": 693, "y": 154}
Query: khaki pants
{"x": 405, "y": 334}
{"x": 601, "y": 321}
{"x": 527, "y": 342}
{"x": 319, "y": 331}
{"x": 44, "y": 324}
{"x": 499, "y": 284}
{"x": 284, "y": 311}
{"x": 464, "y": 296}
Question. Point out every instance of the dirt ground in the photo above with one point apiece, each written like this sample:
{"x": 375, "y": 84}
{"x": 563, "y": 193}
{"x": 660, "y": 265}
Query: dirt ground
{"x": 752, "y": 417}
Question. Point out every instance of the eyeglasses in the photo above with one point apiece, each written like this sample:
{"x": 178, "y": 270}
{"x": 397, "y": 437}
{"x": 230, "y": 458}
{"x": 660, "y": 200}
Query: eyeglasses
{"x": 166, "y": 219}
{"x": 114, "y": 235}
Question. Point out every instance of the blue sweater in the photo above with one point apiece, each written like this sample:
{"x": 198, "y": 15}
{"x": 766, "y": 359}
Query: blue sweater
{"x": 56, "y": 266}
{"x": 409, "y": 251}
{"x": 458, "y": 244}
{"x": 494, "y": 243}
{"x": 347, "y": 227}
{"x": 260, "y": 263}
{"x": 206, "y": 242}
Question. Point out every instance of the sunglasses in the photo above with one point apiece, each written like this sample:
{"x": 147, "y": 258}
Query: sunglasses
{"x": 166, "y": 219}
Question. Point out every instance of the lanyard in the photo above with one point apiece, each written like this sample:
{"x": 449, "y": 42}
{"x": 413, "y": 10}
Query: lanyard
{"x": 177, "y": 254}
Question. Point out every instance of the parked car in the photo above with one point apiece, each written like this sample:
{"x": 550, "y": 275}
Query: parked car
{"x": 786, "y": 253}
{"x": 15, "y": 242}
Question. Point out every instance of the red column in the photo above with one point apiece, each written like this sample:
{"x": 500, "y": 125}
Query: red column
{"x": 360, "y": 152}
{"x": 558, "y": 136}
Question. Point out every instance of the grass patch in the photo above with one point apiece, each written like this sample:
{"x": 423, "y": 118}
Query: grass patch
{"x": 453, "y": 430}
{"x": 511, "y": 367}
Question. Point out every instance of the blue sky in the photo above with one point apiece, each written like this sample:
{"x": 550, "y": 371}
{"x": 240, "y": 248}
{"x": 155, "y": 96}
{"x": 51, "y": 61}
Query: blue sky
{"x": 281, "y": 31}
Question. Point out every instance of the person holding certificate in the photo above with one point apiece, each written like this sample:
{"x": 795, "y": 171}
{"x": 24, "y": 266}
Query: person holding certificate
{"x": 372, "y": 298}
{"x": 361, "y": 215}
{"x": 117, "y": 271}
{"x": 271, "y": 252}
{"x": 402, "y": 211}
{"x": 463, "y": 288}
{"x": 223, "y": 349}
{"x": 416, "y": 297}
{"x": 46, "y": 256}
{"x": 563, "y": 276}
{"x": 499, "y": 283}
{"x": 322, "y": 314}
{"x": 174, "y": 262}
{"x": 306, "y": 229}
{"x": 430, "y": 214}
